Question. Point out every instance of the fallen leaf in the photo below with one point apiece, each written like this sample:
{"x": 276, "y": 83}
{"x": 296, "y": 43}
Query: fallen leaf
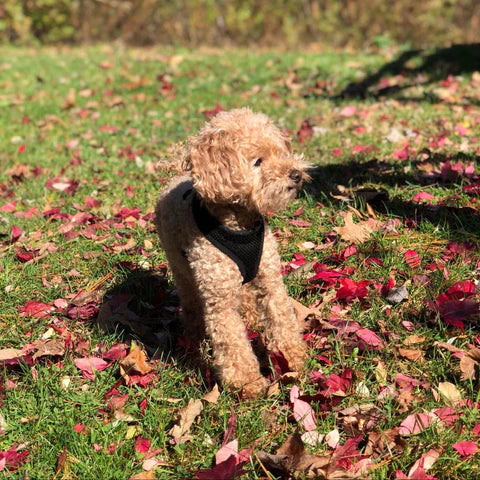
{"x": 354, "y": 232}
{"x": 449, "y": 392}
{"x": 150, "y": 475}
{"x": 397, "y": 294}
{"x": 134, "y": 363}
{"x": 416, "y": 423}
{"x": 292, "y": 457}
{"x": 413, "y": 339}
{"x": 468, "y": 363}
{"x": 186, "y": 416}
{"x": 88, "y": 366}
{"x": 302, "y": 411}
{"x": 426, "y": 461}
{"x": 48, "y": 347}
{"x": 10, "y": 354}
{"x": 466, "y": 448}
{"x": 413, "y": 355}
{"x": 212, "y": 396}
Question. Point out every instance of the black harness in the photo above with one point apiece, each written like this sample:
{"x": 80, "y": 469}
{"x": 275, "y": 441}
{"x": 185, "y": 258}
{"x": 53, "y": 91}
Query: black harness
{"x": 244, "y": 247}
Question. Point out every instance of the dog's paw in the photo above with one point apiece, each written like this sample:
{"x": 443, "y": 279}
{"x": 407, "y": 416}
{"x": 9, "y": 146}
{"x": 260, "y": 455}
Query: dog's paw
{"x": 295, "y": 356}
{"x": 255, "y": 388}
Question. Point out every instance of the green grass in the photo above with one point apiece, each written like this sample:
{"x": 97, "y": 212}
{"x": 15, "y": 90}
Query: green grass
{"x": 122, "y": 88}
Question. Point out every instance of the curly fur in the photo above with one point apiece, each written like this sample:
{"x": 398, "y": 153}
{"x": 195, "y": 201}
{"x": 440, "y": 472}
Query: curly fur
{"x": 223, "y": 166}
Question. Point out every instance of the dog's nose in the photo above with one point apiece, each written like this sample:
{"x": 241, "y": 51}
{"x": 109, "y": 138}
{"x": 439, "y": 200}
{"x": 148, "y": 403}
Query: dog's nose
{"x": 295, "y": 175}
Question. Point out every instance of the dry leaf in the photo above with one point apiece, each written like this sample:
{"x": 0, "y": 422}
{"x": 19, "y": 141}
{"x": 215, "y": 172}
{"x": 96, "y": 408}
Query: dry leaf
{"x": 10, "y": 354}
{"x": 126, "y": 246}
{"x": 414, "y": 355}
{"x": 135, "y": 362}
{"x": 448, "y": 346}
{"x": 413, "y": 339}
{"x": 292, "y": 458}
{"x": 48, "y": 347}
{"x": 69, "y": 99}
{"x": 449, "y": 392}
{"x": 354, "y": 232}
{"x": 468, "y": 363}
{"x": 150, "y": 475}
{"x": 186, "y": 416}
{"x": 212, "y": 396}
{"x": 381, "y": 373}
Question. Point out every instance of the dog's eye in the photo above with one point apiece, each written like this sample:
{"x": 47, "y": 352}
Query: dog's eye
{"x": 258, "y": 162}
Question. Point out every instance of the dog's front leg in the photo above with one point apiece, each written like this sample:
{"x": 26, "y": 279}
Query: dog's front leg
{"x": 219, "y": 284}
{"x": 278, "y": 317}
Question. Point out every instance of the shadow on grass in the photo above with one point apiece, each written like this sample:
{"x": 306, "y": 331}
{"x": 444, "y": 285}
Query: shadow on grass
{"x": 367, "y": 180}
{"x": 143, "y": 308}
{"x": 417, "y": 68}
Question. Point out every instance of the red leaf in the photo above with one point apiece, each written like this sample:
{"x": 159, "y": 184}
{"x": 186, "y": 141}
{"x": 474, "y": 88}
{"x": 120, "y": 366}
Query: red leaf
{"x": 369, "y": 338}
{"x": 350, "y": 289}
{"x": 21, "y": 148}
{"x": 209, "y": 114}
{"x": 279, "y": 362}
{"x": 142, "y": 445}
{"x": 12, "y": 458}
{"x": 412, "y": 258}
{"x": 348, "y": 111}
{"x": 16, "y": 233}
{"x": 35, "y": 309}
{"x": 466, "y": 448}
{"x": 227, "y": 470}
{"x": 9, "y": 207}
{"x": 88, "y": 366}
{"x": 461, "y": 290}
{"x": 79, "y": 428}
{"x": 422, "y": 196}
{"x": 305, "y": 131}
{"x": 24, "y": 255}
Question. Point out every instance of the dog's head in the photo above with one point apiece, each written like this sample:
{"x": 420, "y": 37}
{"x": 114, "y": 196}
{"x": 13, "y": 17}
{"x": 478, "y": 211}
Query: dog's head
{"x": 242, "y": 158}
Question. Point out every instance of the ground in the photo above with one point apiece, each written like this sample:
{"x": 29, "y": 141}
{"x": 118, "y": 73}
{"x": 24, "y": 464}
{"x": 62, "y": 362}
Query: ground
{"x": 382, "y": 245}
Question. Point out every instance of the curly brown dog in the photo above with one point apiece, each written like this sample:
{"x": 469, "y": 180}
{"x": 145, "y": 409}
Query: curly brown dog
{"x": 222, "y": 255}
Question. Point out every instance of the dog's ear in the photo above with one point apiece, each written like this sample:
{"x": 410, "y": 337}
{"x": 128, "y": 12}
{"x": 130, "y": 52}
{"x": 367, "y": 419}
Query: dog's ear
{"x": 216, "y": 167}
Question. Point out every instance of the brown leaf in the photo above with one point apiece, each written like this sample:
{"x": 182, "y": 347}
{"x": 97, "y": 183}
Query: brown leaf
{"x": 354, "y": 232}
{"x": 10, "y": 354}
{"x": 69, "y": 99}
{"x": 62, "y": 462}
{"x": 468, "y": 363}
{"x": 413, "y": 339}
{"x": 126, "y": 246}
{"x": 414, "y": 355}
{"x": 150, "y": 475}
{"x": 448, "y": 346}
{"x": 186, "y": 416}
{"x": 359, "y": 418}
{"x": 386, "y": 442}
{"x": 212, "y": 396}
{"x": 292, "y": 457}
{"x": 135, "y": 363}
{"x": 48, "y": 347}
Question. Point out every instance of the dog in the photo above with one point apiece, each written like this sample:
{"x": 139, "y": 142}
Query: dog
{"x": 222, "y": 255}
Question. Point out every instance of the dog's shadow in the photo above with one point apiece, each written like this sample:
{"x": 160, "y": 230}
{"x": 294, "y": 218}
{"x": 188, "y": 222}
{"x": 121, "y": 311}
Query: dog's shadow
{"x": 144, "y": 308}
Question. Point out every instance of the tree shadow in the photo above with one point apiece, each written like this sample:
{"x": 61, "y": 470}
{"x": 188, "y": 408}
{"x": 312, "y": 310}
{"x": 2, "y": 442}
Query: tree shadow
{"x": 365, "y": 181}
{"x": 416, "y": 68}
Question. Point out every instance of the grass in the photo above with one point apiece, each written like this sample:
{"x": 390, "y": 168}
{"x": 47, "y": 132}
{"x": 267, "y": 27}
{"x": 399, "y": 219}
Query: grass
{"x": 103, "y": 117}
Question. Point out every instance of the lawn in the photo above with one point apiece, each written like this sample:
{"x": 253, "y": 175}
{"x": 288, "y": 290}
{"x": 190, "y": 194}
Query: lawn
{"x": 382, "y": 246}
